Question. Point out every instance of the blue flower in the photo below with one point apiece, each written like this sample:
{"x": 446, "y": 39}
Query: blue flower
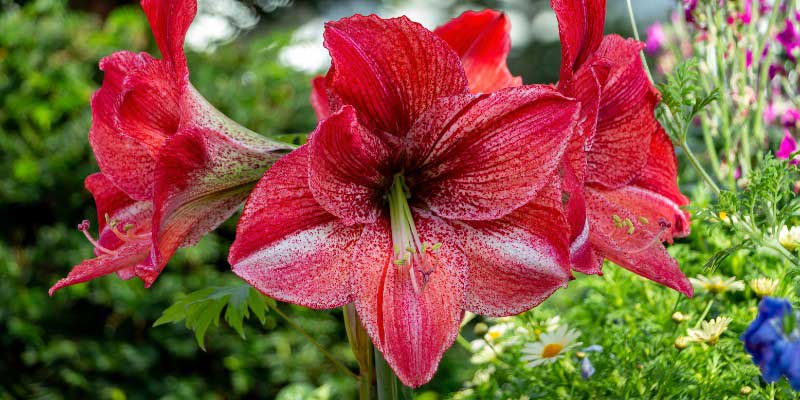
{"x": 790, "y": 363}
{"x": 764, "y": 338}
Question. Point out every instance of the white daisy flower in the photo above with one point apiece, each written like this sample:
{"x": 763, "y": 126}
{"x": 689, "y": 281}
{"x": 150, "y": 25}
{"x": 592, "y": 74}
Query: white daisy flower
{"x": 764, "y": 286}
{"x": 550, "y": 346}
{"x": 709, "y": 331}
{"x": 789, "y": 238}
{"x": 716, "y": 284}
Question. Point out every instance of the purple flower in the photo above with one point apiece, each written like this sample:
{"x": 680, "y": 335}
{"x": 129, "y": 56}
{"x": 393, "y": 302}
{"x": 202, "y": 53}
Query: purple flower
{"x": 587, "y": 369}
{"x": 776, "y": 69}
{"x": 787, "y": 147}
{"x": 688, "y": 10}
{"x": 655, "y": 38}
{"x": 764, "y": 338}
{"x": 748, "y": 58}
{"x": 789, "y": 38}
{"x": 790, "y": 118}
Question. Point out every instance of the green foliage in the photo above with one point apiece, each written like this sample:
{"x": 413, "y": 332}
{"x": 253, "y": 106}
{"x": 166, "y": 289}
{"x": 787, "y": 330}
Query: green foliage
{"x": 202, "y": 308}
{"x": 682, "y": 99}
{"x": 632, "y": 320}
{"x": 755, "y": 215}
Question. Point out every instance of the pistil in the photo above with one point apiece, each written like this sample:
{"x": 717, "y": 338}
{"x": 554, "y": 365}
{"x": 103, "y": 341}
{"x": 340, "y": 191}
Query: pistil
{"x": 410, "y": 254}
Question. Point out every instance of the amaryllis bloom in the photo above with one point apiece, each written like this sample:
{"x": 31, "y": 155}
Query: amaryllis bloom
{"x": 413, "y": 199}
{"x": 623, "y": 199}
{"x": 172, "y": 167}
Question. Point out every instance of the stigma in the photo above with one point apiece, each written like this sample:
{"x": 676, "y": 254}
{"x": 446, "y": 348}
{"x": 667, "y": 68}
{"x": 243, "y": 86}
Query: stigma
{"x": 125, "y": 235}
{"x": 410, "y": 254}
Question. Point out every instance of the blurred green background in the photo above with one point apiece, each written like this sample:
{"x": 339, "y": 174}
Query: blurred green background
{"x": 96, "y": 340}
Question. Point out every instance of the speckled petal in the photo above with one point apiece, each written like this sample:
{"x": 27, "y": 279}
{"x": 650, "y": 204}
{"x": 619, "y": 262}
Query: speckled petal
{"x": 481, "y": 157}
{"x": 412, "y": 329}
{"x": 290, "y": 248}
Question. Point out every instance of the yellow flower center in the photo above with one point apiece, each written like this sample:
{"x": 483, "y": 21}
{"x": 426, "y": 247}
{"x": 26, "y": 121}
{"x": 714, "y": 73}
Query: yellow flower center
{"x": 495, "y": 334}
{"x": 551, "y": 350}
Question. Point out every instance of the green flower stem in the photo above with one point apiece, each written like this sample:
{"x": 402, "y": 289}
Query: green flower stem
{"x": 705, "y": 313}
{"x": 636, "y": 35}
{"x": 699, "y": 168}
{"x": 311, "y": 339}
{"x": 389, "y": 387}
{"x": 682, "y": 143}
{"x": 362, "y": 349}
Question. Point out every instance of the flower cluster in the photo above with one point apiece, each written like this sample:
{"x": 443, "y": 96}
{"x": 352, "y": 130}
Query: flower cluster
{"x": 773, "y": 340}
{"x": 754, "y": 55}
{"x": 434, "y": 183}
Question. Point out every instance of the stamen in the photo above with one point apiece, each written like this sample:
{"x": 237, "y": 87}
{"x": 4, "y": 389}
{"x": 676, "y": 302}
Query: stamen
{"x": 84, "y": 227}
{"x": 410, "y": 254}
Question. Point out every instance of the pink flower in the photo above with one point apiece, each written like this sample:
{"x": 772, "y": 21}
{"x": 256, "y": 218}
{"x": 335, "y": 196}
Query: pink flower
{"x": 414, "y": 199}
{"x": 655, "y": 38}
{"x": 787, "y": 147}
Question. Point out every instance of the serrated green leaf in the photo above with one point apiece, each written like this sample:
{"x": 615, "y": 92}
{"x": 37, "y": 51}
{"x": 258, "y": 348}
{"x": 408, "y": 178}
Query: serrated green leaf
{"x": 202, "y": 308}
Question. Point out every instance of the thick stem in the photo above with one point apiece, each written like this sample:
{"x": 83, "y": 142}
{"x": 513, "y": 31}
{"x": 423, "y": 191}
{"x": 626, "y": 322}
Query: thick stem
{"x": 362, "y": 350}
{"x": 389, "y": 387}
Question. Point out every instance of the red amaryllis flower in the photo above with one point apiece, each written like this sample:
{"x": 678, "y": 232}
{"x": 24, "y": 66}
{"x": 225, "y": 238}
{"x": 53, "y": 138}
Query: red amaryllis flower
{"x": 414, "y": 199}
{"x": 624, "y": 199}
{"x": 173, "y": 167}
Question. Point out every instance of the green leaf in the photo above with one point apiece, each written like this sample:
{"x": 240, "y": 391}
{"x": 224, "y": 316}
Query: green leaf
{"x": 202, "y": 308}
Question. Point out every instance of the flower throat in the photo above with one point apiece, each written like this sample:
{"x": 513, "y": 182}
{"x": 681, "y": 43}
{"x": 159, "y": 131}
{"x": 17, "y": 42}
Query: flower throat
{"x": 410, "y": 254}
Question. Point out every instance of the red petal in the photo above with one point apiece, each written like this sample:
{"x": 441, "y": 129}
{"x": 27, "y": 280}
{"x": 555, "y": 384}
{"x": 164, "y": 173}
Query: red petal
{"x": 390, "y": 70}
{"x": 126, "y": 256}
{"x": 114, "y": 205}
{"x": 585, "y": 86}
{"x": 169, "y": 20}
{"x": 122, "y": 159}
{"x": 319, "y": 98}
{"x": 202, "y": 177}
{"x": 482, "y": 157}
{"x": 287, "y": 246}
{"x": 518, "y": 261}
{"x": 626, "y": 119}
{"x": 582, "y": 258}
{"x": 633, "y": 238}
{"x": 345, "y": 168}
{"x": 481, "y": 40}
{"x": 580, "y": 27}
{"x": 660, "y": 175}
{"x": 149, "y": 105}
{"x": 412, "y": 329}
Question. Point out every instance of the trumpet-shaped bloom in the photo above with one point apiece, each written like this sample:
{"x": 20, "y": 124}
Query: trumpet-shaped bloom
{"x": 624, "y": 200}
{"x": 172, "y": 167}
{"x": 414, "y": 199}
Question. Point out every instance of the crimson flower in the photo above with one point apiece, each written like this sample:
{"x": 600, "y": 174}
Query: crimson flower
{"x": 624, "y": 200}
{"x": 172, "y": 167}
{"x": 413, "y": 199}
